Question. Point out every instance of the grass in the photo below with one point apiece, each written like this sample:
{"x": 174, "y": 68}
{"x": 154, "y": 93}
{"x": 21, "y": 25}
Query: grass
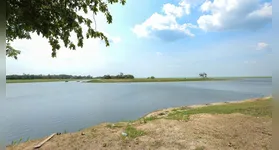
{"x": 259, "y": 108}
{"x": 116, "y": 125}
{"x": 246, "y": 77}
{"x": 15, "y": 142}
{"x": 40, "y": 80}
{"x": 132, "y": 132}
{"x": 146, "y": 119}
{"x": 153, "y": 80}
{"x": 178, "y": 115}
{"x": 65, "y": 131}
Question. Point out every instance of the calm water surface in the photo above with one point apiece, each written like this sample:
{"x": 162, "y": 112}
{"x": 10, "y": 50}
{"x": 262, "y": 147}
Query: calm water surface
{"x": 34, "y": 110}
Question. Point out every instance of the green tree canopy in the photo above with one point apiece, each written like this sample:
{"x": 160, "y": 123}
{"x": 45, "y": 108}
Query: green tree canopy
{"x": 54, "y": 20}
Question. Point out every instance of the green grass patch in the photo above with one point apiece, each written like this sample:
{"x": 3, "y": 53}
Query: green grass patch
{"x": 132, "y": 132}
{"x": 178, "y": 115}
{"x": 153, "y": 80}
{"x": 147, "y": 119}
{"x": 256, "y": 108}
{"x": 259, "y": 108}
{"x": 115, "y": 125}
{"x": 15, "y": 142}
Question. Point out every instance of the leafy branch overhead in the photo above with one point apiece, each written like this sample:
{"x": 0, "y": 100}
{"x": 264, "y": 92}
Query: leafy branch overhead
{"x": 54, "y": 20}
{"x": 11, "y": 52}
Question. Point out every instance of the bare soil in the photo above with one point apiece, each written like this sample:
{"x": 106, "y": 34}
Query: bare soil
{"x": 200, "y": 132}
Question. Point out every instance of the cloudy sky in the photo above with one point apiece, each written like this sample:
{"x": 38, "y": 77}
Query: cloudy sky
{"x": 165, "y": 38}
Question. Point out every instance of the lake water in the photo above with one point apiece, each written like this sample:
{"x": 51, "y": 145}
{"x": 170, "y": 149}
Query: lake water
{"x": 35, "y": 110}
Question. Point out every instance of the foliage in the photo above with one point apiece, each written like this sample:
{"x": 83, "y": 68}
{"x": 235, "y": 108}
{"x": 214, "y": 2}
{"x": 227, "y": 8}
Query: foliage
{"x": 11, "y": 52}
{"x": 120, "y": 76}
{"x": 152, "y": 77}
{"x": 203, "y": 75}
{"x": 32, "y": 76}
{"x": 54, "y": 20}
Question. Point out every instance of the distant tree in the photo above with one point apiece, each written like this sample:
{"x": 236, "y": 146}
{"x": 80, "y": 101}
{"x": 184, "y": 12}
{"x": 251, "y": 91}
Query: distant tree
{"x": 107, "y": 77}
{"x": 203, "y": 75}
{"x": 119, "y": 76}
{"x": 152, "y": 77}
{"x": 40, "y": 76}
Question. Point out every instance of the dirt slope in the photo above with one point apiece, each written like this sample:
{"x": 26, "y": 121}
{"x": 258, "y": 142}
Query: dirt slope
{"x": 200, "y": 132}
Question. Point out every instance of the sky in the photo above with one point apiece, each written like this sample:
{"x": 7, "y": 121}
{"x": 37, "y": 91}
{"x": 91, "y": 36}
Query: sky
{"x": 164, "y": 38}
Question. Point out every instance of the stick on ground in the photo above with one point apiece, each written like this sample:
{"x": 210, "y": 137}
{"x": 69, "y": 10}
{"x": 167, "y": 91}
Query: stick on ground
{"x": 43, "y": 142}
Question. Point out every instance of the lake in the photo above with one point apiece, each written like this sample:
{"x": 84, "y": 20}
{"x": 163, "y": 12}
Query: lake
{"x": 35, "y": 110}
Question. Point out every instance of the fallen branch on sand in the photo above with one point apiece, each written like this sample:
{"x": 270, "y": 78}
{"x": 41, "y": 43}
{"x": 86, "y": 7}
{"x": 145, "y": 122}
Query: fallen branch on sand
{"x": 44, "y": 141}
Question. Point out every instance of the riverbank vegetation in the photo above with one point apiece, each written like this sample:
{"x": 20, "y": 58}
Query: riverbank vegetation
{"x": 149, "y": 79}
{"x": 41, "y": 80}
{"x": 119, "y": 76}
{"x": 229, "y": 125}
{"x": 40, "y": 76}
{"x": 25, "y": 78}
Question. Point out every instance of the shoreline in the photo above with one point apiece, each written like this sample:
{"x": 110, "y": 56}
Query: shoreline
{"x": 130, "y": 80}
{"x": 157, "y": 114}
{"x": 42, "y": 80}
{"x": 144, "y": 80}
{"x": 159, "y": 111}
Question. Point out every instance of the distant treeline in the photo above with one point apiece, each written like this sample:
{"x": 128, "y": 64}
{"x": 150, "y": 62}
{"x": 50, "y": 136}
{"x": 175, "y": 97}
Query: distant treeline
{"x": 119, "y": 76}
{"x": 32, "y": 76}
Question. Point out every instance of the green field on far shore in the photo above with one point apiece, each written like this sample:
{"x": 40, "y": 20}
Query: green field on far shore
{"x": 131, "y": 80}
{"x": 166, "y": 79}
{"x": 151, "y": 80}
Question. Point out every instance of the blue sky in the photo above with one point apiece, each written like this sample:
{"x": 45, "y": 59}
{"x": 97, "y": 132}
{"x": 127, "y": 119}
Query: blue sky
{"x": 166, "y": 38}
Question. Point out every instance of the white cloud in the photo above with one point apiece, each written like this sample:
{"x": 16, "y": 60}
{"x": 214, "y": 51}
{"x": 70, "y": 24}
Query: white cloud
{"x": 264, "y": 12}
{"x": 262, "y": 46}
{"x": 234, "y": 14}
{"x": 178, "y": 11}
{"x": 250, "y": 62}
{"x": 165, "y": 26}
{"x": 159, "y": 53}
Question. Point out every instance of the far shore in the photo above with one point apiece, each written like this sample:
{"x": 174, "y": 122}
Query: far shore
{"x": 130, "y": 80}
{"x": 166, "y": 79}
{"x": 41, "y": 80}
{"x": 153, "y": 80}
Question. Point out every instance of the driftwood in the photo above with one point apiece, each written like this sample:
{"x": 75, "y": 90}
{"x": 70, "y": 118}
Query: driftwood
{"x": 44, "y": 141}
